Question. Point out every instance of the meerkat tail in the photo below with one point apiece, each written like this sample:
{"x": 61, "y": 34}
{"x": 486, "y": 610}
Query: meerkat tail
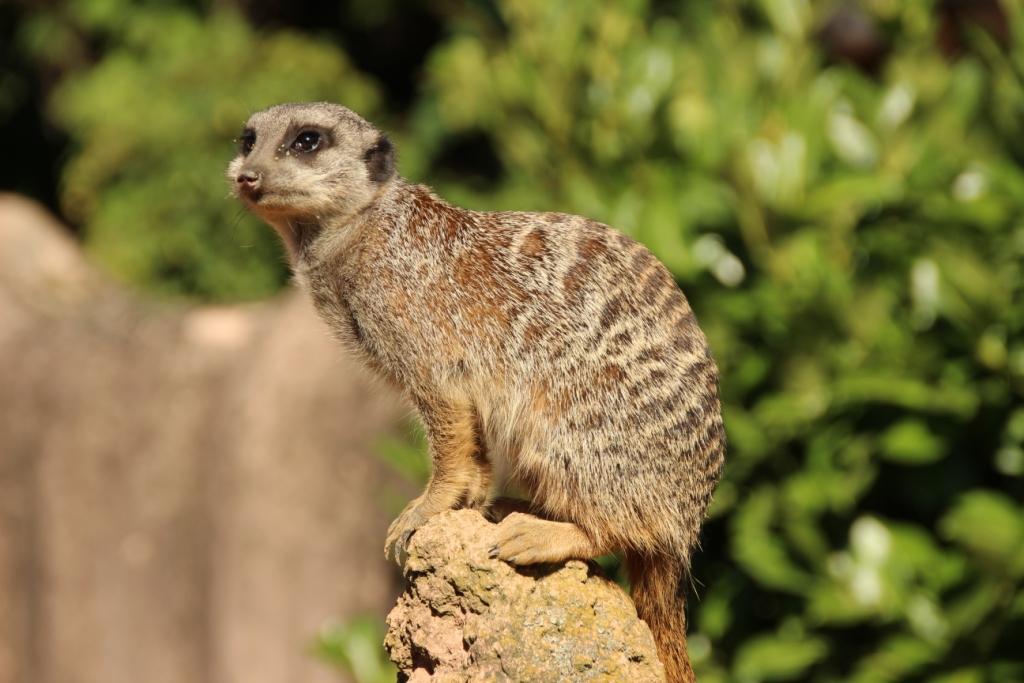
{"x": 659, "y": 592}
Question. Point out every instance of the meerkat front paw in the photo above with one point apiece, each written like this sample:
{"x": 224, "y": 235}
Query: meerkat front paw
{"x": 526, "y": 539}
{"x": 402, "y": 529}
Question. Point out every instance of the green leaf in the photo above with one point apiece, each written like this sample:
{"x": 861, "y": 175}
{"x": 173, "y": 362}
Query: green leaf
{"x": 973, "y": 674}
{"x": 773, "y": 658}
{"x": 910, "y": 442}
{"x": 407, "y": 453}
{"x": 895, "y": 659}
{"x": 356, "y": 648}
{"x": 990, "y": 526}
{"x": 756, "y": 545}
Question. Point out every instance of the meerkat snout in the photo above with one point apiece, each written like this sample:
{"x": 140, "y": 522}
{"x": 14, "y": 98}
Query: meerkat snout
{"x": 248, "y": 182}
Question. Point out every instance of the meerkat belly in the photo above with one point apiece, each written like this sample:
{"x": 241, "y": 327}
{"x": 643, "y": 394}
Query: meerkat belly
{"x": 506, "y": 432}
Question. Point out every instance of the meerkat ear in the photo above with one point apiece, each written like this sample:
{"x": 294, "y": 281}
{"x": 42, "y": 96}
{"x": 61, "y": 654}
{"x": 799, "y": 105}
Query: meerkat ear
{"x": 380, "y": 159}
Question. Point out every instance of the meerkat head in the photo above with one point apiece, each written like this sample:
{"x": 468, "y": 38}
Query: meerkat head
{"x": 309, "y": 163}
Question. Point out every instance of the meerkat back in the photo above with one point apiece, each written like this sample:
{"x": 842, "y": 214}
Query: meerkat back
{"x": 543, "y": 352}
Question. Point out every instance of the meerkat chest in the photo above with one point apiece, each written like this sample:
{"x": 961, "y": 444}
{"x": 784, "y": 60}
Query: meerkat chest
{"x": 366, "y": 314}
{"x": 332, "y": 291}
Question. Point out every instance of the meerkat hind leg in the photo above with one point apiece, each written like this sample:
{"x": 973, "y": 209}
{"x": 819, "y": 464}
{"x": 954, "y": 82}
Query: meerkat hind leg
{"x": 503, "y": 506}
{"x": 526, "y": 539}
{"x": 479, "y": 494}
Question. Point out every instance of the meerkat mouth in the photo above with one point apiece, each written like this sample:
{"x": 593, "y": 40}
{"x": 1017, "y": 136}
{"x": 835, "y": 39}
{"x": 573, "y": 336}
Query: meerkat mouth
{"x": 251, "y": 195}
{"x": 265, "y": 201}
{"x": 272, "y": 205}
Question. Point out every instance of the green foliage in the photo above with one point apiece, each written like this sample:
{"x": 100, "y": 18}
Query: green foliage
{"x": 853, "y": 246}
{"x": 852, "y": 243}
{"x": 154, "y": 121}
{"x": 405, "y": 453}
{"x": 770, "y": 658}
{"x": 354, "y": 648}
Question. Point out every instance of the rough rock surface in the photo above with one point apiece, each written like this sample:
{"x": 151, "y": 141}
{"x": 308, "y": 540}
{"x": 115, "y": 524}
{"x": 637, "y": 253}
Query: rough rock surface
{"x": 465, "y": 617}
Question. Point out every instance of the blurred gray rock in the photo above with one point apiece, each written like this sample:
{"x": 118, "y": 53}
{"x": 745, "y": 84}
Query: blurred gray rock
{"x": 186, "y": 494}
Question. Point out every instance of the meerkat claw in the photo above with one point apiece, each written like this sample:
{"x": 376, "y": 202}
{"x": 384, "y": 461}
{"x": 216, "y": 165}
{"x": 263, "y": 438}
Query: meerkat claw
{"x": 399, "y": 552}
{"x": 396, "y": 549}
{"x": 401, "y": 531}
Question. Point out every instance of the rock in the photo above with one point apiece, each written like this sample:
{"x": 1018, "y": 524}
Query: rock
{"x": 187, "y": 493}
{"x": 465, "y": 617}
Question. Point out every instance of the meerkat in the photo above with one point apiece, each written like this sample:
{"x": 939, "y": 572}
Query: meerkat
{"x": 542, "y": 351}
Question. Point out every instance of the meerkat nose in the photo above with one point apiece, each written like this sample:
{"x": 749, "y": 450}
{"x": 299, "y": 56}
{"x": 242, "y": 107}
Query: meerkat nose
{"x": 249, "y": 180}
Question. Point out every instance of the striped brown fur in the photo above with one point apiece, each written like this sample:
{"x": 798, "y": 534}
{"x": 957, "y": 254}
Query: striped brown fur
{"x": 544, "y": 352}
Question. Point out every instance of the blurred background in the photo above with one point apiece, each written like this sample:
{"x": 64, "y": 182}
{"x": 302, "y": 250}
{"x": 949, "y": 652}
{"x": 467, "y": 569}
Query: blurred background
{"x": 195, "y": 483}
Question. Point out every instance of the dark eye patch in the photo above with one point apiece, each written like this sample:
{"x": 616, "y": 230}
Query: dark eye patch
{"x": 246, "y": 141}
{"x": 307, "y": 141}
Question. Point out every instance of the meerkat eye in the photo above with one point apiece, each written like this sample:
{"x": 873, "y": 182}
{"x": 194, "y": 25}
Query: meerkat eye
{"x": 246, "y": 142}
{"x": 306, "y": 141}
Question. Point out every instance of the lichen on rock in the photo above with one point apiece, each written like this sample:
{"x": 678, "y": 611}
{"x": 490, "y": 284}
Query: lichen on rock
{"x": 466, "y": 617}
